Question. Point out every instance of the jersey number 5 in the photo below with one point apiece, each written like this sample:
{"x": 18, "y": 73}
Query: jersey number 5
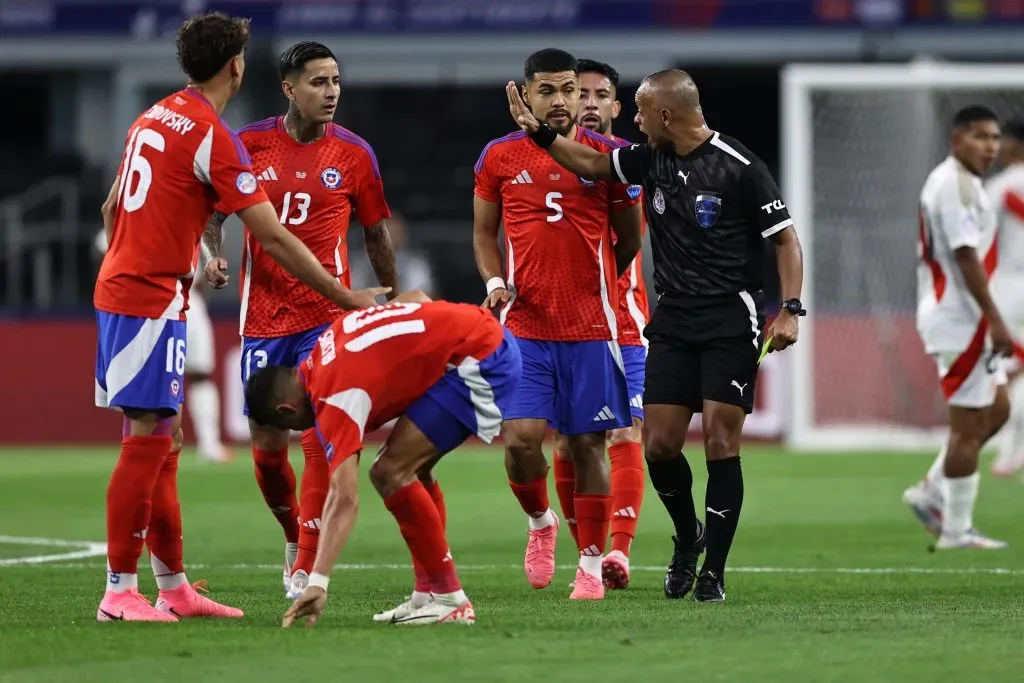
{"x": 301, "y": 205}
{"x": 550, "y": 202}
{"x": 136, "y": 173}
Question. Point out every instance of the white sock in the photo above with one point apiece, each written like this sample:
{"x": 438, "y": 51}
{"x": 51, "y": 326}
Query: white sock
{"x": 591, "y": 565}
{"x": 456, "y": 598}
{"x": 121, "y": 582}
{"x": 958, "y": 507}
{"x": 291, "y": 553}
{"x": 166, "y": 580}
{"x": 419, "y": 598}
{"x": 937, "y": 474}
{"x": 542, "y": 522}
{"x": 204, "y": 407}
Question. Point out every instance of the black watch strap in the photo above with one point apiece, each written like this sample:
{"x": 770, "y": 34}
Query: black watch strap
{"x": 794, "y": 306}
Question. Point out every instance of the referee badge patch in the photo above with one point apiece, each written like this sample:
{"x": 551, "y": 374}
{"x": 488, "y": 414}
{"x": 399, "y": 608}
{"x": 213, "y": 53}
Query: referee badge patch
{"x": 659, "y": 201}
{"x": 708, "y": 208}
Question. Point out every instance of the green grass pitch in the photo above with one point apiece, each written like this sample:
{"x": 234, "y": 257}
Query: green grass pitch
{"x": 829, "y": 580}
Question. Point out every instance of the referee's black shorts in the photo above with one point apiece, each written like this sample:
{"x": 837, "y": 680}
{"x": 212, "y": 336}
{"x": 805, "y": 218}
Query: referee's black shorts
{"x": 704, "y": 348}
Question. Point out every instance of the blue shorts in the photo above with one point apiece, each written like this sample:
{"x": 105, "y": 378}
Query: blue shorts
{"x": 140, "y": 363}
{"x": 471, "y": 399}
{"x": 634, "y": 359}
{"x": 578, "y": 387}
{"x": 259, "y": 352}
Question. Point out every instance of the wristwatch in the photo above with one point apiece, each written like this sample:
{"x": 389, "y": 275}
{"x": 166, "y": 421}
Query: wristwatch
{"x": 794, "y": 306}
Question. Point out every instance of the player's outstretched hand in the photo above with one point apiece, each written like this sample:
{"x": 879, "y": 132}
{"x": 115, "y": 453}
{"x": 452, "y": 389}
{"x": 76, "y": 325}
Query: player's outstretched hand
{"x": 363, "y": 298}
{"x": 522, "y": 115}
{"x": 1002, "y": 340}
{"x": 784, "y": 331}
{"x": 310, "y": 605}
{"x": 216, "y": 273}
{"x": 499, "y": 297}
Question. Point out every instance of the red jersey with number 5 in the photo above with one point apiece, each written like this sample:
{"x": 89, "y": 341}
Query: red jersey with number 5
{"x": 371, "y": 365}
{"x": 316, "y": 188}
{"x": 558, "y": 239}
{"x": 179, "y": 161}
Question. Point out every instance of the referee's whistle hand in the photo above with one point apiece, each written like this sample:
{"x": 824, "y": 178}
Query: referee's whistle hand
{"x": 785, "y": 330}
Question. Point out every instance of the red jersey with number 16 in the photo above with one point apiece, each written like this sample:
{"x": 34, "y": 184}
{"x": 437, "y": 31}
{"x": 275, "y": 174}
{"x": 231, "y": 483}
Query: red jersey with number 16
{"x": 558, "y": 239}
{"x": 180, "y": 160}
{"x": 316, "y": 188}
{"x": 371, "y": 365}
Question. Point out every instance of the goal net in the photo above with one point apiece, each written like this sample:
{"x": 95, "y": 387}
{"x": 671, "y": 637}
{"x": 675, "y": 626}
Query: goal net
{"x": 858, "y": 142}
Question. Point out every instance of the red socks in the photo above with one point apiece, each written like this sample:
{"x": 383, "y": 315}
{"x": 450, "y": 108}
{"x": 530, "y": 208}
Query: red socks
{"x": 316, "y": 479}
{"x": 533, "y": 497}
{"x": 130, "y": 499}
{"x": 421, "y": 528}
{"x": 565, "y": 486}
{"x": 422, "y": 579}
{"x": 164, "y": 538}
{"x": 276, "y": 478}
{"x": 628, "y": 480}
{"x": 593, "y": 512}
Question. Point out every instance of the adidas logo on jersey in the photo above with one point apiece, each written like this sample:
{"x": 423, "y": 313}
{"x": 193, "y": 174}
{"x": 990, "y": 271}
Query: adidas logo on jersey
{"x": 269, "y": 174}
{"x": 605, "y": 414}
{"x": 522, "y": 179}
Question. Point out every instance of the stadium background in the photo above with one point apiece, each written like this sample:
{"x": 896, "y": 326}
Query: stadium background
{"x": 422, "y": 82}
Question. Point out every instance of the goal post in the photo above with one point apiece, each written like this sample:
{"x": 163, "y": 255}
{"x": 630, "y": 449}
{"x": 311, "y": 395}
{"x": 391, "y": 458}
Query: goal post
{"x": 857, "y": 144}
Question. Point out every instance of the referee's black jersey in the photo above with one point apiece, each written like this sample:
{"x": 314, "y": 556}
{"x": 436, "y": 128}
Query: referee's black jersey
{"x": 709, "y": 213}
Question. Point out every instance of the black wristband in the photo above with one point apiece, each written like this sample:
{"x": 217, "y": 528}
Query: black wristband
{"x": 544, "y": 137}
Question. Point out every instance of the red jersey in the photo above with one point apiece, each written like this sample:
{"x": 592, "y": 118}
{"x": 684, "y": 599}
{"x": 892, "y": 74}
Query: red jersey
{"x": 180, "y": 161}
{"x": 372, "y": 364}
{"x": 633, "y": 310}
{"x": 558, "y": 239}
{"x": 316, "y": 188}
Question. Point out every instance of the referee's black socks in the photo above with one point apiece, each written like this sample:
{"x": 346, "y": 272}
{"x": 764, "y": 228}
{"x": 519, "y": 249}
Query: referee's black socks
{"x": 722, "y": 509}
{"x": 673, "y": 481}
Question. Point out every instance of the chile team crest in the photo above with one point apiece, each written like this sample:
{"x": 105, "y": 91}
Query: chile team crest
{"x": 331, "y": 178}
{"x": 708, "y": 208}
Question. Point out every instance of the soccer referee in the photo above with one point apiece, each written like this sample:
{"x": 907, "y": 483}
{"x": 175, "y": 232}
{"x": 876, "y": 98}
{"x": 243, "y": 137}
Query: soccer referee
{"x": 710, "y": 204}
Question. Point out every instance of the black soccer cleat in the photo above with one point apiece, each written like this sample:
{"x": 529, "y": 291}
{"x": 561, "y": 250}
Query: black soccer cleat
{"x": 710, "y": 588}
{"x": 683, "y": 568}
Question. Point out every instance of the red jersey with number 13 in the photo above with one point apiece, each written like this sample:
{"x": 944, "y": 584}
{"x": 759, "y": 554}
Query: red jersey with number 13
{"x": 316, "y": 188}
{"x": 180, "y": 159}
{"x": 372, "y": 364}
{"x": 558, "y": 239}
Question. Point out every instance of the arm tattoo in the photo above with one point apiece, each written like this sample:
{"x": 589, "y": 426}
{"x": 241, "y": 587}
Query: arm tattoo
{"x": 382, "y": 256}
{"x": 212, "y": 235}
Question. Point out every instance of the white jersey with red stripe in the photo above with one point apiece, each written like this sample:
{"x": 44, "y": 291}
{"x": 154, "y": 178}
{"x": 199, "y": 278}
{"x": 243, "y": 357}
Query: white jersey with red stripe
{"x": 955, "y": 212}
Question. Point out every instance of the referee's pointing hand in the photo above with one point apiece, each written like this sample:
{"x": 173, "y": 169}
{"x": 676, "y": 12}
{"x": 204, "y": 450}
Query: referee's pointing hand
{"x": 520, "y": 112}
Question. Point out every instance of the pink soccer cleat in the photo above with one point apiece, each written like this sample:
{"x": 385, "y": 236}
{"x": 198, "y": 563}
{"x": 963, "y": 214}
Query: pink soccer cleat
{"x": 587, "y": 587}
{"x": 185, "y": 601}
{"x": 615, "y": 570}
{"x": 540, "y": 555}
{"x": 129, "y": 606}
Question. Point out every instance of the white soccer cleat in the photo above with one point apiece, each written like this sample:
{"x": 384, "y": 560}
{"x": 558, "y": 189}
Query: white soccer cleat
{"x": 972, "y": 539}
{"x": 438, "y": 611}
{"x": 291, "y": 551}
{"x": 926, "y": 504}
{"x": 413, "y": 603}
{"x": 297, "y": 585}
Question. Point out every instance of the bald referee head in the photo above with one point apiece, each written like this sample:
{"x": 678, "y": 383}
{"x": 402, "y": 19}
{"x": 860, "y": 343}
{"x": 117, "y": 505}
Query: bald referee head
{"x": 668, "y": 111}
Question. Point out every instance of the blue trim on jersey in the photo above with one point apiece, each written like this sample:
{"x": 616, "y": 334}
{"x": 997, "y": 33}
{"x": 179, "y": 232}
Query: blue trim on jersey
{"x": 587, "y": 133}
{"x": 511, "y": 137}
{"x": 258, "y": 126}
{"x": 345, "y": 135}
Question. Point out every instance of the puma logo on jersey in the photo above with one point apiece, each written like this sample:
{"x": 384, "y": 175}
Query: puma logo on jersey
{"x": 739, "y": 386}
{"x": 269, "y": 174}
{"x": 682, "y": 175}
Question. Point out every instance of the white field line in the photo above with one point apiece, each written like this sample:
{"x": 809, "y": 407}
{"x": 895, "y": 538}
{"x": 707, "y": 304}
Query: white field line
{"x": 85, "y": 549}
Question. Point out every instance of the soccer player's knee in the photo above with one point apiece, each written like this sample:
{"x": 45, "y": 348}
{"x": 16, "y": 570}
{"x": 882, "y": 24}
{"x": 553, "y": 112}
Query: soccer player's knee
{"x": 624, "y": 435}
{"x": 521, "y": 445}
{"x": 177, "y": 439}
{"x": 659, "y": 447}
{"x": 388, "y": 475}
{"x": 720, "y": 447}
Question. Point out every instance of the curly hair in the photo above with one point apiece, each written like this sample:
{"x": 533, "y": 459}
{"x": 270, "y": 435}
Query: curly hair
{"x": 209, "y": 41}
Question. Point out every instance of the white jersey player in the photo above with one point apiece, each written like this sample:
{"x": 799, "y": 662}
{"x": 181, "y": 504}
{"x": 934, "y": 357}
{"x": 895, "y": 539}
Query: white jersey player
{"x": 1006, "y": 190}
{"x": 202, "y": 397}
{"x": 960, "y": 326}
